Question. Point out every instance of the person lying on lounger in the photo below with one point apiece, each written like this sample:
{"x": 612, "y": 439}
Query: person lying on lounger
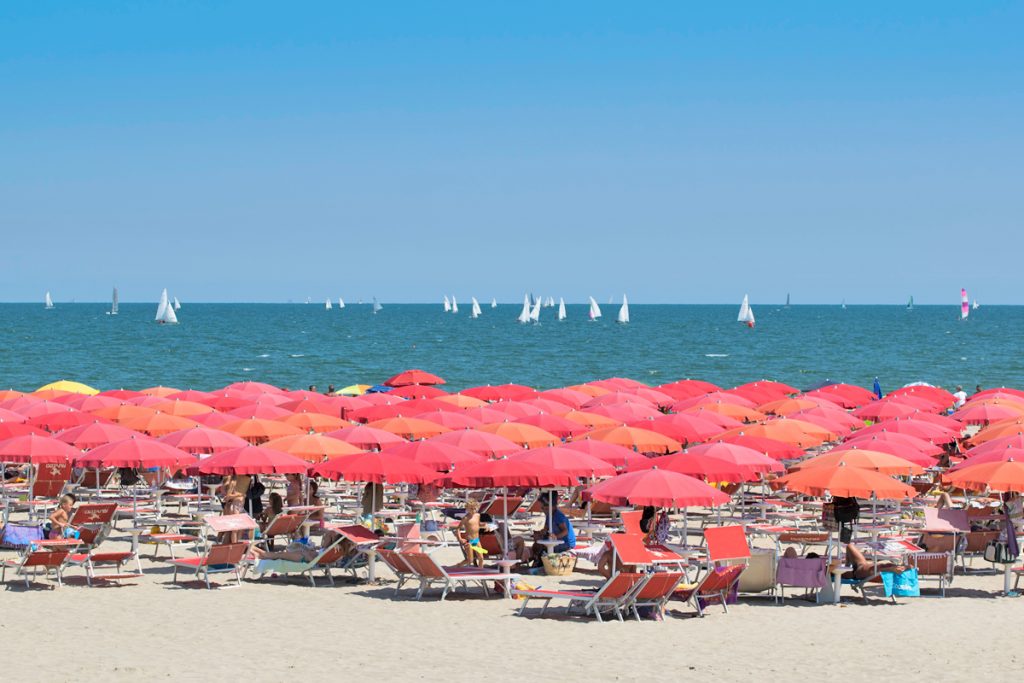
{"x": 302, "y": 552}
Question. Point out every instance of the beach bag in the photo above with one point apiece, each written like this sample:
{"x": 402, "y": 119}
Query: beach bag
{"x": 998, "y": 552}
{"x": 16, "y": 536}
{"x": 845, "y": 510}
{"x": 903, "y": 585}
{"x": 828, "y": 517}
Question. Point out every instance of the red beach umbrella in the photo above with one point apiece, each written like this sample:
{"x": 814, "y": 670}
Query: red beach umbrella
{"x": 508, "y": 472}
{"x": 367, "y": 438}
{"x": 1001, "y": 476}
{"x": 410, "y": 377}
{"x": 841, "y": 480}
{"x": 252, "y": 460}
{"x": 94, "y": 434}
{"x": 35, "y": 449}
{"x": 573, "y": 463}
{"x": 313, "y": 447}
{"x": 779, "y": 450}
{"x": 559, "y": 426}
{"x": 376, "y": 468}
{"x": 501, "y": 392}
{"x": 480, "y": 442}
{"x": 200, "y": 440}
{"x": 656, "y": 487}
{"x": 135, "y": 451}
{"x": 436, "y": 456}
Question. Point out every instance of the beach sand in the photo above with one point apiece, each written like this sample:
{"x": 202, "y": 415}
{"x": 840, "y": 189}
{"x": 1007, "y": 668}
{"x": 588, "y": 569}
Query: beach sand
{"x": 285, "y": 630}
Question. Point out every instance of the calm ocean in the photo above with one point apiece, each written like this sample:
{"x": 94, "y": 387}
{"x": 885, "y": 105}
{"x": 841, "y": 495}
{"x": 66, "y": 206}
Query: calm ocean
{"x": 295, "y": 345}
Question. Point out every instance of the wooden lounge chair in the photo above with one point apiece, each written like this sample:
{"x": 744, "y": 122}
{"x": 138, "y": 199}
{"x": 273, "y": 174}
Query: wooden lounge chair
{"x": 655, "y": 592}
{"x": 612, "y": 596}
{"x": 34, "y": 561}
{"x": 715, "y": 586}
{"x": 221, "y": 558}
{"x": 429, "y": 572}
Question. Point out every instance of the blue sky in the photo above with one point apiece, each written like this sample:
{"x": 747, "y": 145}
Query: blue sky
{"x": 679, "y": 152}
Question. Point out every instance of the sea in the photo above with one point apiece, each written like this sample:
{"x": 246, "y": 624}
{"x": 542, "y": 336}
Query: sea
{"x": 298, "y": 345}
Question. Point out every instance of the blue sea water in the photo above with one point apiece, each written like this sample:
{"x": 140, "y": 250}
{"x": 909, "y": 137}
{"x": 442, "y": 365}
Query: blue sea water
{"x": 295, "y": 345}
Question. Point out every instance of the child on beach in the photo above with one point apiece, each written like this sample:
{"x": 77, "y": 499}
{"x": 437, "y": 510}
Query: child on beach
{"x": 60, "y": 519}
{"x": 469, "y": 535}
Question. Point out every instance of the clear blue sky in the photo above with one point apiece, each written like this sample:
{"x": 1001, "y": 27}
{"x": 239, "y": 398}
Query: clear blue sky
{"x": 679, "y": 152}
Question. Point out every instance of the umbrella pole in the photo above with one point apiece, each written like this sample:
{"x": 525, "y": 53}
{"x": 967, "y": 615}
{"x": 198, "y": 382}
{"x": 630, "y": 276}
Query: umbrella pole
{"x": 504, "y": 493}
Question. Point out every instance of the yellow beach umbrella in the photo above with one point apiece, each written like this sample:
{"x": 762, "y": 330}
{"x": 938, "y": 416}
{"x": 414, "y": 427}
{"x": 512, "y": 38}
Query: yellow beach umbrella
{"x": 354, "y": 390}
{"x": 73, "y": 387}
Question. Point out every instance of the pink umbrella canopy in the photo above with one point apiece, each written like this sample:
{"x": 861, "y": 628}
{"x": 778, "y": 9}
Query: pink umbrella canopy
{"x": 376, "y": 468}
{"x": 617, "y": 456}
{"x": 508, "y": 472}
{"x": 559, "y": 426}
{"x": 252, "y": 460}
{"x": 482, "y": 443}
{"x": 501, "y": 392}
{"x": 779, "y": 450}
{"x": 436, "y": 456}
{"x": 656, "y": 487}
{"x": 574, "y": 463}
{"x": 94, "y": 434}
{"x": 410, "y": 377}
{"x": 683, "y": 427}
{"x": 869, "y": 441}
{"x": 699, "y": 466}
{"x": 899, "y": 450}
{"x": 204, "y": 440}
{"x": 35, "y": 449}
{"x": 367, "y": 438}
{"x": 136, "y": 451}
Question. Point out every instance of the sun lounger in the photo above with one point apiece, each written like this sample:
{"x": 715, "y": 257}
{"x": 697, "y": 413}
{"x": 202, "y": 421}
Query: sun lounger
{"x": 94, "y": 522}
{"x": 34, "y": 561}
{"x": 654, "y": 593}
{"x": 612, "y": 596}
{"x": 936, "y": 566}
{"x": 501, "y": 506}
{"x": 395, "y": 563}
{"x": 429, "y": 573}
{"x": 221, "y": 558}
{"x": 285, "y": 524}
{"x": 279, "y": 566}
{"x": 714, "y": 587}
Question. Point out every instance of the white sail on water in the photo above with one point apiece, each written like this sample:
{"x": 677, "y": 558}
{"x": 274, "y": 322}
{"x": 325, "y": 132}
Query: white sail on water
{"x": 341, "y": 302}
{"x": 524, "y": 316}
{"x": 746, "y": 312}
{"x": 376, "y": 305}
{"x": 177, "y": 304}
{"x": 535, "y": 312}
{"x": 47, "y": 301}
{"x": 165, "y": 311}
{"x": 113, "y": 303}
{"x": 327, "y": 304}
{"x": 974, "y": 305}
{"x": 561, "y": 308}
{"x": 595, "y": 310}
{"x": 447, "y": 304}
{"x": 494, "y": 303}
{"x": 475, "y": 312}
{"x": 455, "y": 305}
{"x": 623, "y": 311}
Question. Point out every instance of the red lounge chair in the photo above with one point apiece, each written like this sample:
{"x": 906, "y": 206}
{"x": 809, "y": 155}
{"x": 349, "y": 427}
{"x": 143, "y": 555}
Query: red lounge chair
{"x": 429, "y": 572}
{"x": 395, "y": 563}
{"x": 285, "y": 524}
{"x": 727, "y": 543}
{"x": 655, "y": 592}
{"x": 322, "y": 560}
{"x": 502, "y": 506}
{"x": 35, "y": 560}
{"x": 936, "y": 566}
{"x": 94, "y": 522}
{"x": 613, "y": 596}
{"x": 226, "y": 557}
{"x": 715, "y": 586}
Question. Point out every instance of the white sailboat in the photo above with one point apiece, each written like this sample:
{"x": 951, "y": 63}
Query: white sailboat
{"x": 177, "y": 304}
{"x": 974, "y": 305}
{"x": 535, "y": 312}
{"x": 843, "y": 304}
{"x": 746, "y": 312}
{"x": 595, "y": 310}
{"x": 341, "y": 302}
{"x": 455, "y": 305}
{"x": 524, "y": 315}
{"x": 327, "y": 304}
{"x": 494, "y": 303}
{"x": 561, "y": 308}
{"x": 447, "y": 304}
{"x": 165, "y": 311}
{"x": 376, "y": 305}
{"x": 475, "y": 312}
{"x": 113, "y": 304}
{"x": 623, "y": 311}
{"x": 48, "y": 302}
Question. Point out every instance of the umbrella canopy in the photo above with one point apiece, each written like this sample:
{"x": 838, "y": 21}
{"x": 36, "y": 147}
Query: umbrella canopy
{"x": 135, "y": 451}
{"x": 70, "y": 387}
{"x": 434, "y": 455}
{"x": 252, "y": 460}
{"x": 181, "y": 407}
{"x": 699, "y": 466}
{"x": 508, "y": 472}
{"x": 35, "y": 449}
{"x": 568, "y": 397}
{"x": 199, "y": 440}
{"x": 795, "y": 432}
{"x": 778, "y": 450}
{"x": 846, "y": 395}
{"x": 525, "y": 435}
{"x": 159, "y": 391}
{"x": 918, "y": 428}
{"x": 462, "y": 401}
{"x": 376, "y": 468}
{"x": 733, "y": 410}
{"x": 11, "y": 429}
{"x": 366, "y": 438}
{"x": 123, "y": 412}
{"x": 451, "y": 420}
{"x": 787, "y": 406}
{"x": 88, "y": 403}
{"x": 263, "y": 411}
{"x": 687, "y": 388}
{"x": 559, "y": 426}
{"x": 1003, "y": 442}
{"x": 256, "y": 430}
{"x": 899, "y": 450}
{"x": 1000, "y": 476}
{"x": 714, "y": 397}
{"x": 250, "y": 387}
{"x": 998, "y": 430}
{"x": 501, "y": 392}
{"x": 640, "y": 440}
{"x": 739, "y": 455}
{"x": 409, "y": 427}
{"x": 682, "y": 427}
{"x": 724, "y": 422}
{"x": 314, "y": 422}
{"x": 480, "y": 442}
{"x": 656, "y": 487}
{"x": 159, "y": 424}
{"x": 626, "y": 412}
{"x": 841, "y": 480}
{"x": 884, "y": 410}
{"x": 936, "y": 395}
{"x": 409, "y": 377}
{"x": 615, "y": 455}
{"x": 312, "y": 447}
{"x": 516, "y": 409}
{"x": 418, "y": 391}
{"x": 869, "y": 460}
{"x": 574, "y": 463}
{"x": 996, "y": 455}
{"x": 833, "y": 416}
{"x": 590, "y": 420}
{"x": 354, "y": 389}
{"x": 986, "y": 412}
{"x": 96, "y": 433}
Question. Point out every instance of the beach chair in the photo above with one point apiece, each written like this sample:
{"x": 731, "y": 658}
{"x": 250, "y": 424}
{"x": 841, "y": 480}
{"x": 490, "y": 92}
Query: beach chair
{"x": 285, "y": 524}
{"x": 226, "y": 557}
{"x": 759, "y": 576}
{"x": 936, "y": 566}
{"x": 502, "y": 506}
{"x": 429, "y": 573}
{"x": 364, "y": 550}
{"x": 331, "y": 553}
{"x": 94, "y": 522}
{"x": 654, "y": 593}
{"x": 800, "y": 572}
{"x": 34, "y": 561}
{"x": 397, "y": 565}
{"x": 975, "y": 544}
{"x": 715, "y": 586}
{"x": 47, "y": 485}
{"x": 612, "y": 596}
{"x": 727, "y": 544}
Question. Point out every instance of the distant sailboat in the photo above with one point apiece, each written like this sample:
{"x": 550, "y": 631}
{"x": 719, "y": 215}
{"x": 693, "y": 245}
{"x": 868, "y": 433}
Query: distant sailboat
{"x": 623, "y": 311}
{"x": 494, "y": 303}
{"x": 376, "y": 305}
{"x": 746, "y": 313}
{"x": 48, "y": 302}
{"x": 787, "y": 299}
{"x": 341, "y": 302}
{"x": 974, "y": 305}
{"x": 455, "y": 305}
{"x": 524, "y": 315}
{"x": 113, "y": 303}
{"x": 447, "y": 304}
{"x": 309, "y": 300}
{"x": 535, "y": 312}
{"x": 177, "y": 304}
{"x": 910, "y": 304}
{"x": 327, "y": 304}
{"x": 611, "y": 300}
{"x": 475, "y": 311}
{"x": 165, "y": 311}
{"x": 843, "y": 304}
{"x": 965, "y": 308}
{"x": 595, "y": 310}
{"x": 561, "y": 308}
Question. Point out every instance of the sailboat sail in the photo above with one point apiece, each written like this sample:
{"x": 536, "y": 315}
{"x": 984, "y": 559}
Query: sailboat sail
{"x": 177, "y": 304}
{"x": 910, "y": 304}
{"x": 494, "y": 303}
{"x": 974, "y": 305}
{"x": 447, "y": 304}
{"x": 165, "y": 311}
{"x": 327, "y": 304}
{"x": 535, "y": 312}
{"x": 341, "y": 302}
{"x": 595, "y": 310}
{"x": 455, "y": 305}
{"x": 48, "y": 302}
{"x": 965, "y": 308}
{"x": 746, "y": 313}
{"x": 844, "y": 304}
{"x": 376, "y": 305}
{"x": 787, "y": 299}
{"x": 561, "y": 308}
{"x": 113, "y": 303}
{"x": 623, "y": 311}
{"x": 475, "y": 312}
{"x": 524, "y": 315}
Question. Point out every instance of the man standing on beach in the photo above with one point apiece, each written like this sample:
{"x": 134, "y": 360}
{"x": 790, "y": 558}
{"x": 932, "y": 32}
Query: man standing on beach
{"x": 961, "y": 397}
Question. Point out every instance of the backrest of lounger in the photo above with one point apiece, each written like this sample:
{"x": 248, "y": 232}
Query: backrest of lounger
{"x": 630, "y": 549}
{"x": 45, "y": 558}
{"x": 720, "y": 579}
{"x": 631, "y": 521}
{"x": 422, "y": 564}
{"x": 933, "y": 564}
{"x": 659, "y": 585}
{"x": 502, "y": 507}
{"x": 93, "y": 513}
{"x": 801, "y": 572}
{"x": 726, "y": 543}
{"x": 393, "y": 561}
{"x": 47, "y": 488}
{"x": 618, "y": 585}
{"x": 226, "y": 553}
{"x": 285, "y": 524}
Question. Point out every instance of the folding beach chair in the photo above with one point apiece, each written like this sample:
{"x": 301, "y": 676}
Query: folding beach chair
{"x": 47, "y": 485}
{"x": 937, "y": 566}
{"x": 800, "y": 572}
{"x": 397, "y": 565}
{"x": 612, "y": 596}
{"x": 715, "y": 586}
{"x": 94, "y": 522}
{"x": 34, "y": 561}
{"x": 429, "y": 572}
{"x": 364, "y": 543}
{"x": 331, "y": 553}
{"x": 501, "y": 506}
{"x": 221, "y": 558}
{"x": 655, "y": 592}
{"x": 285, "y": 524}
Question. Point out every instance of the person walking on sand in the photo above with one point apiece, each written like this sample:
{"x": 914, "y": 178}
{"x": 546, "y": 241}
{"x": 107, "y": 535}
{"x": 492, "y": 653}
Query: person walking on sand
{"x": 468, "y": 534}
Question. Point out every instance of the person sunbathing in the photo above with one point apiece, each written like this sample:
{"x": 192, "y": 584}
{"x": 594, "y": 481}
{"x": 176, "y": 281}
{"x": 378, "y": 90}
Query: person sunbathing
{"x": 863, "y": 568}
{"x": 60, "y": 519}
{"x": 298, "y": 551}
{"x": 468, "y": 534}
